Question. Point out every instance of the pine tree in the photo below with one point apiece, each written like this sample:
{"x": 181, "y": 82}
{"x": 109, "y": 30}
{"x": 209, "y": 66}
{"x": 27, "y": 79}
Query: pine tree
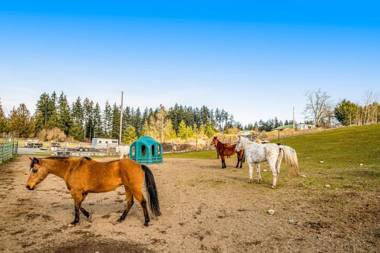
{"x": 46, "y": 115}
{"x": 115, "y": 121}
{"x": 88, "y": 118}
{"x": 107, "y": 120}
{"x": 97, "y": 117}
{"x": 77, "y": 130}
{"x": 77, "y": 111}
{"x": 64, "y": 118}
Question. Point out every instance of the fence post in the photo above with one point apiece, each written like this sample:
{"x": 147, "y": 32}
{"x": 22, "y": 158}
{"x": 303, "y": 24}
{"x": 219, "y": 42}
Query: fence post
{"x": 1, "y": 152}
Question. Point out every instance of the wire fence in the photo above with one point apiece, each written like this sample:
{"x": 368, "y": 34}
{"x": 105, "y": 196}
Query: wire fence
{"x": 8, "y": 149}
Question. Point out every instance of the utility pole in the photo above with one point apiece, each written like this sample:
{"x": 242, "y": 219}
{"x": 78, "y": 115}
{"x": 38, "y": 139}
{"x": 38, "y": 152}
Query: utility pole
{"x": 121, "y": 117}
{"x": 294, "y": 119}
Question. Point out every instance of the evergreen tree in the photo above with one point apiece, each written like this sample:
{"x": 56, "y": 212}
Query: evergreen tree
{"x": 77, "y": 116}
{"x": 346, "y": 112}
{"x": 77, "y": 112}
{"x": 107, "y": 120}
{"x": 88, "y": 118}
{"x": 46, "y": 114}
{"x": 64, "y": 117}
{"x": 97, "y": 117}
{"x": 115, "y": 121}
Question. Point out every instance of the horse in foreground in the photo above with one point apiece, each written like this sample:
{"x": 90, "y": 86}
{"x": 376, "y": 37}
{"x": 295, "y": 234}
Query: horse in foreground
{"x": 84, "y": 175}
{"x": 272, "y": 153}
{"x": 227, "y": 150}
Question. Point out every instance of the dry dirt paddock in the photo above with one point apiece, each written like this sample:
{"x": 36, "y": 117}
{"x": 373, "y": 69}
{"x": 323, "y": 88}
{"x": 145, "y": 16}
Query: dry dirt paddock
{"x": 204, "y": 209}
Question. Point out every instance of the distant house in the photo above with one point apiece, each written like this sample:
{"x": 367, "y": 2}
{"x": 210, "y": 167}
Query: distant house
{"x": 99, "y": 143}
{"x": 304, "y": 126}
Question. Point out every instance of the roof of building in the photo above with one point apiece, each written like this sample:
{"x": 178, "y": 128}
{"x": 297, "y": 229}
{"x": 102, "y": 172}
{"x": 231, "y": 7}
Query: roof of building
{"x": 147, "y": 140}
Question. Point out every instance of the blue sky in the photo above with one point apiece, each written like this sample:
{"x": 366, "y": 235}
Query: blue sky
{"x": 255, "y": 59}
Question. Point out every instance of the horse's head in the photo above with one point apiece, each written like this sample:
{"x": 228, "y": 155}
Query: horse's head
{"x": 38, "y": 172}
{"x": 239, "y": 144}
{"x": 214, "y": 141}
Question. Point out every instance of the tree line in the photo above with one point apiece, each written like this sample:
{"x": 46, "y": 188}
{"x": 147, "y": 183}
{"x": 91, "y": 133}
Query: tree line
{"x": 83, "y": 119}
{"x": 321, "y": 111}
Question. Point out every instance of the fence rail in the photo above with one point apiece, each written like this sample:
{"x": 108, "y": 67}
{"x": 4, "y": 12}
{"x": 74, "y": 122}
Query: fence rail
{"x": 8, "y": 149}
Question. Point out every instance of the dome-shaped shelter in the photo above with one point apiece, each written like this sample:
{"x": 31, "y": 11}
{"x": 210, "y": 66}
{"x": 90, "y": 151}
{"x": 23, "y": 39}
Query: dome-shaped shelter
{"x": 146, "y": 150}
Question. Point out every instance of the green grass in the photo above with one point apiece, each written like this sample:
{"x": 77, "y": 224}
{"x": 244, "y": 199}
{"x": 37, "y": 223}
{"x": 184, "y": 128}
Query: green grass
{"x": 194, "y": 155}
{"x": 342, "y": 151}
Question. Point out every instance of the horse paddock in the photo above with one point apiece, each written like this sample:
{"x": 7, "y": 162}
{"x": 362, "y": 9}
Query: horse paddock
{"x": 204, "y": 209}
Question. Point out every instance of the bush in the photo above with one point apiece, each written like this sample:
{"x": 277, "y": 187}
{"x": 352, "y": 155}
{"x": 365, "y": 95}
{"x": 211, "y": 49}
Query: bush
{"x": 55, "y": 134}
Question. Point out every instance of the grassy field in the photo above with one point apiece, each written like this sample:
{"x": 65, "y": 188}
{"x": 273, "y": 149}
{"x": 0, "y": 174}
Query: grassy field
{"x": 341, "y": 158}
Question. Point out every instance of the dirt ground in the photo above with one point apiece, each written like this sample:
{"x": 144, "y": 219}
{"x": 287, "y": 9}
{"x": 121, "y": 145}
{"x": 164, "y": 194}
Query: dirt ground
{"x": 204, "y": 209}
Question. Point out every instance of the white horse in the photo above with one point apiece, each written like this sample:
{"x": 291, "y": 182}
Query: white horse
{"x": 272, "y": 153}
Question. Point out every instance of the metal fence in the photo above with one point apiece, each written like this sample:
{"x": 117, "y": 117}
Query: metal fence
{"x": 8, "y": 149}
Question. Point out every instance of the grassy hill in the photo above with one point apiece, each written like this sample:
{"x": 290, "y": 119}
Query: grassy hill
{"x": 346, "y": 157}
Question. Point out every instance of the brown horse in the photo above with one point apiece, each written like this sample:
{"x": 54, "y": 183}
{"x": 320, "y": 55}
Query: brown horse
{"x": 228, "y": 150}
{"x": 84, "y": 175}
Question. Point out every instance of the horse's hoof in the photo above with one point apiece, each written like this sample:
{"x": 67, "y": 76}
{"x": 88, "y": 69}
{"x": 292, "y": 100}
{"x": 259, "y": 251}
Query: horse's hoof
{"x": 250, "y": 181}
{"x": 73, "y": 224}
{"x": 146, "y": 224}
{"x": 273, "y": 187}
{"x": 259, "y": 180}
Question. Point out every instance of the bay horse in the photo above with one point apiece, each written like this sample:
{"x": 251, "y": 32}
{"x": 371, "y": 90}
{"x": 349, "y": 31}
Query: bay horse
{"x": 228, "y": 150}
{"x": 272, "y": 153}
{"x": 84, "y": 175}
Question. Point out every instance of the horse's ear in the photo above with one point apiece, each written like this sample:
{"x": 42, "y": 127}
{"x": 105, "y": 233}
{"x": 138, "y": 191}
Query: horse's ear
{"x": 35, "y": 160}
{"x": 30, "y": 158}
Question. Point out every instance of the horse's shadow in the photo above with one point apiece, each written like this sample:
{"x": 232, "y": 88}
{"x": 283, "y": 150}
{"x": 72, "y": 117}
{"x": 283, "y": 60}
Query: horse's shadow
{"x": 244, "y": 181}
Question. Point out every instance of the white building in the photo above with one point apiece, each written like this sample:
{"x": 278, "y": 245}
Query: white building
{"x": 304, "y": 126}
{"x": 99, "y": 143}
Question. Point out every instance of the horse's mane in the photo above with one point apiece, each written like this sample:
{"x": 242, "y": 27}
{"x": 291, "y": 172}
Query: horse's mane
{"x": 66, "y": 158}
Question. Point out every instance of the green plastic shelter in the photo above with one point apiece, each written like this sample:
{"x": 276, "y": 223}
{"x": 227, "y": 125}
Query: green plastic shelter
{"x": 146, "y": 150}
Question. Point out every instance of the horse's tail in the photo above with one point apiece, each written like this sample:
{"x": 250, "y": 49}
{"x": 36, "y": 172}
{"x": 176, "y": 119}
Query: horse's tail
{"x": 290, "y": 156}
{"x": 152, "y": 191}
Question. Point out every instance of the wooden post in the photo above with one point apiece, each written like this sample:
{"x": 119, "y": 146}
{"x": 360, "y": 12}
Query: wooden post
{"x": 121, "y": 117}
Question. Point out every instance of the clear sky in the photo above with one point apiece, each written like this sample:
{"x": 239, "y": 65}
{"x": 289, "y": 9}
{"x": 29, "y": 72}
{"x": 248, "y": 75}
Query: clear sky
{"x": 256, "y": 59}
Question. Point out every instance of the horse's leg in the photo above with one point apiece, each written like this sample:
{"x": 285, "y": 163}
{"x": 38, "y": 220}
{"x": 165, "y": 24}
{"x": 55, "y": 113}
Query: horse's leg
{"x": 272, "y": 164}
{"x": 129, "y": 199}
{"x": 258, "y": 170}
{"x": 78, "y": 197}
{"x": 242, "y": 160}
{"x": 84, "y": 211}
{"x": 140, "y": 198}
{"x": 238, "y": 160}
{"x": 250, "y": 169}
{"x": 223, "y": 161}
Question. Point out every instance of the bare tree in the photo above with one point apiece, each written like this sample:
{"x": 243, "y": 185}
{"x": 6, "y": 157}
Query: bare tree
{"x": 369, "y": 108}
{"x": 318, "y": 107}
